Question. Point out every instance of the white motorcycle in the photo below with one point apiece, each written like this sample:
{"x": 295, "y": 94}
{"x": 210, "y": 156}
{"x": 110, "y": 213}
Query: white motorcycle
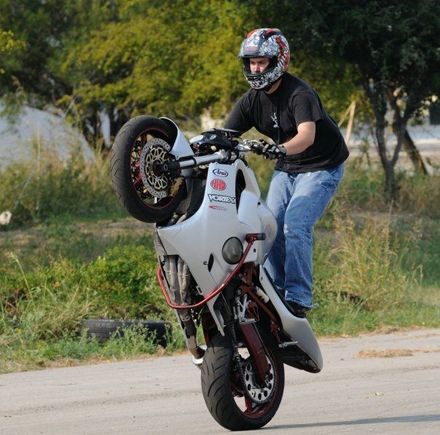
{"x": 213, "y": 234}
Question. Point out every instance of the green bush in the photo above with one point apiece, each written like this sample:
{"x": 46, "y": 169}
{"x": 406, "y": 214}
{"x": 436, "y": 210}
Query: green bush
{"x": 361, "y": 189}
{"x": 50, "y": 189}
{"x": 367, "y": 262}
{"x": 125, "y": 280}
{"x": 45, "y": 303}
{"x": 41, "y": 309}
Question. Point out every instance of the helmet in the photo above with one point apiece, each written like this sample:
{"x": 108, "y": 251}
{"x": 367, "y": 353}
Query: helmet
{"x": 268, "y": 43}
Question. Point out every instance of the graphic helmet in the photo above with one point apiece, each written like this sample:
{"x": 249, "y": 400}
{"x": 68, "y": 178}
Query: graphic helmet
{"x": 269, "y": 43}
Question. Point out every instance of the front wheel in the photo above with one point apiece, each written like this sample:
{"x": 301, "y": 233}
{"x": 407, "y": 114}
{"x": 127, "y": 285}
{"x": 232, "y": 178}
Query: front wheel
{"x": 233, "y": 395}
{"x": 141, "y": 147}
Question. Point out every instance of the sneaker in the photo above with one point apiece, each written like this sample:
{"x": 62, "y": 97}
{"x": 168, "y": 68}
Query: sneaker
{"x": 296, "y": 309}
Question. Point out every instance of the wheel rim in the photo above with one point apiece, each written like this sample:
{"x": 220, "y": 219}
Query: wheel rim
{"x": 257, "y": 400}
{"x": 149, "y": 150}
{"x": 260, "y": 394}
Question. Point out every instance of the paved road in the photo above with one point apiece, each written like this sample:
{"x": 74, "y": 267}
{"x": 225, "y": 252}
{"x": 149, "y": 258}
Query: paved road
{"x": 387, "y": 384}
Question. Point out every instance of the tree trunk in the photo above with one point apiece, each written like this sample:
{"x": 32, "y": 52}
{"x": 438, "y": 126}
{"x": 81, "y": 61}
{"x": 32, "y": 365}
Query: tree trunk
{"x": 377, "y": 95}
{"x": 413, "y": 153}
{"x": 390, "y": 183}
{"x": 387, "y": 164}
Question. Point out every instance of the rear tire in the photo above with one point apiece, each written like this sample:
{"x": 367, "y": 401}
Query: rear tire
{"x": 130, "y": 173}
{"x": 223, "y": 392}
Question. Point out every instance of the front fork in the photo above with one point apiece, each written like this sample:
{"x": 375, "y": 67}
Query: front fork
{"x": 256, "y": 350}
{"x": 244, "y": 316}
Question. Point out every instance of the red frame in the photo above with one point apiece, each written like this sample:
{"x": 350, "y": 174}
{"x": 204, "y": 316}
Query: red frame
{"x": 250, "y": 238}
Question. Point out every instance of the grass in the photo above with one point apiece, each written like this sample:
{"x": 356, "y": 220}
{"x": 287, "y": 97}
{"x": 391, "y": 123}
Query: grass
{"x": 71, "y": 253}
{"x": 46, "y": 291}
{"x": 72, "y": 350}
{"x": 375, "y": 273}
{"x": 49, "y": 189}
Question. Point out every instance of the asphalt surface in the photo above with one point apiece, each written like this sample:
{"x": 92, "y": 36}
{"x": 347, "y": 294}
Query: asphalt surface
{"x": 387, "y": 384}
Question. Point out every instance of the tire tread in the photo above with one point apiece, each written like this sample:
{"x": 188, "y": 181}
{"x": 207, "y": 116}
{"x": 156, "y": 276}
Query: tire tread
{"x": 217, "y": 393}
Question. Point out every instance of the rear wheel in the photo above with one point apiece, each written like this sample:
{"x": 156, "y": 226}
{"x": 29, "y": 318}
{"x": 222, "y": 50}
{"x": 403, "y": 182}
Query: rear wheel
{"x": 142, "y": 145}
{"x": 234, "y": 397}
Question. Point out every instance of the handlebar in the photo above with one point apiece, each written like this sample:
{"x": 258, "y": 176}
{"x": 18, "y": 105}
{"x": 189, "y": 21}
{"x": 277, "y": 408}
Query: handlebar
{"x": 242, "y": 147}
{"x": 237, "y": 149}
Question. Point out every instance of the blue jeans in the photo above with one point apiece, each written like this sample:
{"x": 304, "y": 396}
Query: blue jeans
{"x": 297, "y": 201}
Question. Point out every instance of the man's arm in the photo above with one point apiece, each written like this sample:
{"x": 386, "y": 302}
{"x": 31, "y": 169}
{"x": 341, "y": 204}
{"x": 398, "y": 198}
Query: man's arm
{"x": 238, "y": 118}
{"x": 302, "y": 140}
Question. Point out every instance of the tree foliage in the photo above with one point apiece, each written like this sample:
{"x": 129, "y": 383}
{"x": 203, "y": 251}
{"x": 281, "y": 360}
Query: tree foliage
{"x": 8, "y": 47}
{"x": 394, "y": 48}
{"x": 7, "y": 42}
{"x": 172, "y": 58}
{"x": 39, "y": 26}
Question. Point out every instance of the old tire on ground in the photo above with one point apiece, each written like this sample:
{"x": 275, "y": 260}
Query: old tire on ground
{"x": 140, "y": 147}
{"x": 103, "y": 329}
{"x": 223, "y": 392}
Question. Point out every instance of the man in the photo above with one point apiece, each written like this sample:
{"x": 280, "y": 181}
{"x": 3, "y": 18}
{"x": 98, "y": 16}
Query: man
{"x": 310, "y": 152}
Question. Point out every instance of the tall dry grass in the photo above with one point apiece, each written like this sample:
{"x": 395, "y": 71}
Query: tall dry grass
{"x": 367, "y": 263}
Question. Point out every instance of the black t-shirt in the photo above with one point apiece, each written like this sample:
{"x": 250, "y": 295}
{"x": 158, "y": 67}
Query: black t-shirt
{"x": 277, "y": 116}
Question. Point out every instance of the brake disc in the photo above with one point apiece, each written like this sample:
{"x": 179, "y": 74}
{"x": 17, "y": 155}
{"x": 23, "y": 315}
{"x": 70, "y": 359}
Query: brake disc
{"x": 258, "y": 393}
{"x": 154, "y": 153}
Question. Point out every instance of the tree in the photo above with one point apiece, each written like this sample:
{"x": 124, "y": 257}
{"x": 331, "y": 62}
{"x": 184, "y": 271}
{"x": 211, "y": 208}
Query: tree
{"x": 394, "y": 47}
{"x": 43, "y": 29}
{"x": 169, "y": 58}
{"x": 8, "y": 46}
{"x": 38, "y": 25}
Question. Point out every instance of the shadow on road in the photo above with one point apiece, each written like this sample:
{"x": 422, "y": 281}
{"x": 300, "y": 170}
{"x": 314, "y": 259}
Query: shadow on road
{"x": 398, "y": 419}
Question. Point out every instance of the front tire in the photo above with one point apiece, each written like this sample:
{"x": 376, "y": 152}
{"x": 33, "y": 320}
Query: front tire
{"x": 224, "y": 391}
{"x": 142, "y": 144}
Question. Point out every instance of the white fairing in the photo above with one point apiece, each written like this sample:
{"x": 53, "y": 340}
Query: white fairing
{"x": 199, "y": 240}
{"x": 297, "y": 328}
{"x": 181, "y": 147}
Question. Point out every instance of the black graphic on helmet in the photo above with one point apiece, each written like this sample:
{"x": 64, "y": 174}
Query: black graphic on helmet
{"x": 268, "y": 43}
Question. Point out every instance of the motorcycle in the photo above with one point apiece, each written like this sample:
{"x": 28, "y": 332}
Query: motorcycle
{"x": 212, "y": 235}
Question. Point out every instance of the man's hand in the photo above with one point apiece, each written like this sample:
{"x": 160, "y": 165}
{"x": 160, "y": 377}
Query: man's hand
{"x": 269, "y": 151}
{"x": 257, "y": 146}
{"x": 272, "y": 151}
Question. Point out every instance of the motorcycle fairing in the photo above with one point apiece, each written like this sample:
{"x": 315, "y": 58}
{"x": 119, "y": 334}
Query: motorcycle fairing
{"x": 215, "y": 222}
{"x": 181, "y": 147}
{"x": 199, "y": 239}
{"x": 297, "y": 328}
